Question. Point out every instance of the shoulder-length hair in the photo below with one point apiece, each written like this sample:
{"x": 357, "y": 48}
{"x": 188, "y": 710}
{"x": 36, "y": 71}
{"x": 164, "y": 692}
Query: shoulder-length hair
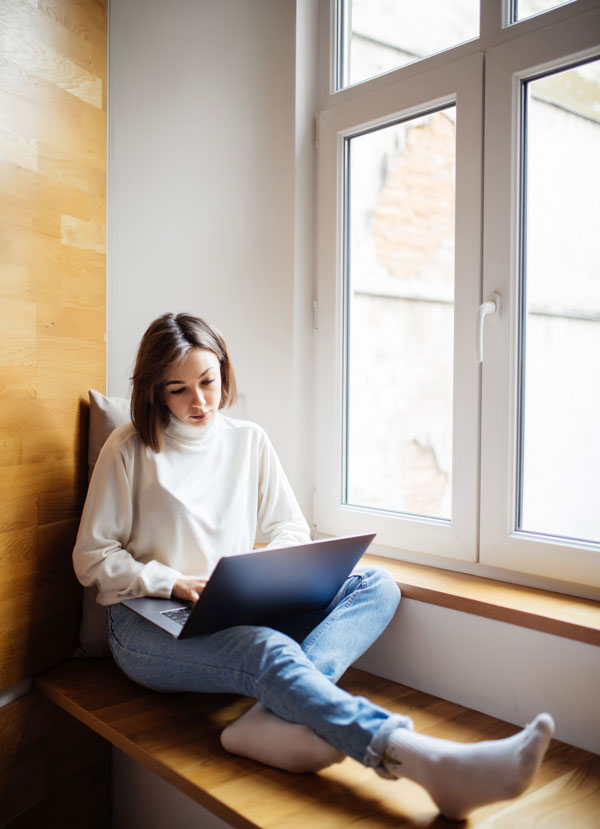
{"x": 167, "y": 342}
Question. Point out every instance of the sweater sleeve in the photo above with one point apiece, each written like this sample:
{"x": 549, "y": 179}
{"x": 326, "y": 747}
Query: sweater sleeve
{"x": 280, "y": 519}
{"x": 100, "y": 556}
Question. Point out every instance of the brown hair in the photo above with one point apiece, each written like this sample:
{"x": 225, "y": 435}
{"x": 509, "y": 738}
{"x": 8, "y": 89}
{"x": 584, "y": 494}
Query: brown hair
{"x": 167, "y": 341}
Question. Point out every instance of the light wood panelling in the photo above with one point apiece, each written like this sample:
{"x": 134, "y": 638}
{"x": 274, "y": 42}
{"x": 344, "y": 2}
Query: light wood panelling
{"x": 52, "y": 326}
{"x": 52, "y": 331}
{"x": 42, "y": 45}
{"x": 39, "y": 266}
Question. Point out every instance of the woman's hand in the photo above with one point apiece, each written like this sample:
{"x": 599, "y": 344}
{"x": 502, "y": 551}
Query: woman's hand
{"x": 188, "y": 588}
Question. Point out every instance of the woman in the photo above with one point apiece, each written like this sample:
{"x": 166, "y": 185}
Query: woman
{"x": 183, "y": 485}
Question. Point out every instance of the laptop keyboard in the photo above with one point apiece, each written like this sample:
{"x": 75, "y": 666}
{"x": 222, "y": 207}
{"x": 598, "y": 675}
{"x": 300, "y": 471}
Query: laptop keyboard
{"x": 180, "y": 615}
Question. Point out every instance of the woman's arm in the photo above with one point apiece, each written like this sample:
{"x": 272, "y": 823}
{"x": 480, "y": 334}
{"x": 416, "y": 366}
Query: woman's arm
{"x": 100, "y": 556}
{"x": 279, "y": 516}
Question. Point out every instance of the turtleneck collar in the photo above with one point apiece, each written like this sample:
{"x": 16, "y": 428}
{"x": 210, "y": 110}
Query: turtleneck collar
{"x": 192, "y": 435}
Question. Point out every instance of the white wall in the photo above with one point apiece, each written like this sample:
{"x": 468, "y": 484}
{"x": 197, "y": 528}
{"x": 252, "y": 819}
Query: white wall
{"x": 500, "y": 669}
{"x": 211, "y": 192}
{"x": 204, "y": 210}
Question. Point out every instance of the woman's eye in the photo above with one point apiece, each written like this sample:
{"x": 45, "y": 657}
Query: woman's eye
{"x": 207, "y": 382}
{"x": 177, "y": 391}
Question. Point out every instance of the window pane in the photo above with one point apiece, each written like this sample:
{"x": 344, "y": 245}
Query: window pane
{"x": 560, "y": 446}
{"x": 400, "y": 294}
{"x": 376, "y": 36}
{"x": 527, "y": 8}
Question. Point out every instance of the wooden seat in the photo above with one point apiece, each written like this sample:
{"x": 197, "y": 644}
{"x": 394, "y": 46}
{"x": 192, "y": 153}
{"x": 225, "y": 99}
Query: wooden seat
{"x": 177, "y": 737}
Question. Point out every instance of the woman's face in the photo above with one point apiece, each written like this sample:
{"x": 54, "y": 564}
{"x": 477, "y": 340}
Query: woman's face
{"x": 192, "y": 388}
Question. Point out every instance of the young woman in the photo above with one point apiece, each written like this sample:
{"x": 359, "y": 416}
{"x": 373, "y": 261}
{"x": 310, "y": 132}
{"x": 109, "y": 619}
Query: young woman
{"x": 183, "y": 485}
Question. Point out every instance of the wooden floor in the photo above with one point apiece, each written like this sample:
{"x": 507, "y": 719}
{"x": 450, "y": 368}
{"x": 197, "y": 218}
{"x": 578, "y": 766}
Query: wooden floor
{"x": 177, "y": 736}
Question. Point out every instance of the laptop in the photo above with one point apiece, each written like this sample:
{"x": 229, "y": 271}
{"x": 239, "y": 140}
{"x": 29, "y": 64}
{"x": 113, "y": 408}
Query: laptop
{"x": 263, "y": 587}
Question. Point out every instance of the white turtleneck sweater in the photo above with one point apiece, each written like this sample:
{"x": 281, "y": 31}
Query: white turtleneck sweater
{"x": 150, "y": 517}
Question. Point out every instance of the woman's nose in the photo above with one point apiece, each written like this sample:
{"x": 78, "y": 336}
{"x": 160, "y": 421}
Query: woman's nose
{"x": 199, "y": 399}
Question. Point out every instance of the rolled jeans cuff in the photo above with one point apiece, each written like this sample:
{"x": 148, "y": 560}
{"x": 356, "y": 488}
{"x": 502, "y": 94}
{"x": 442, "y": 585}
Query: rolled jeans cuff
{"x": 375, "y": 753}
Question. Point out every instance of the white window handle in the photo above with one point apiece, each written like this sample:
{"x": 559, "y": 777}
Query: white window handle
{"x": 491, "y": 306}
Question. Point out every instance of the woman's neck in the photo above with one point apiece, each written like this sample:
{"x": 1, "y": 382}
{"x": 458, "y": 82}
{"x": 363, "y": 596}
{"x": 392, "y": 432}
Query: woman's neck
{"x": 193, "y": 435}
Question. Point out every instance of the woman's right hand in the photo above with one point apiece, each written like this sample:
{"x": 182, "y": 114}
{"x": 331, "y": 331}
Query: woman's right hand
{"x": 188, "y": 588}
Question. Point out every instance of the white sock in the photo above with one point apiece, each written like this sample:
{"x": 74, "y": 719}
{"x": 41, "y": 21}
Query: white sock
{"x": 261, "y": 735}
{"x": 462, "y": 776}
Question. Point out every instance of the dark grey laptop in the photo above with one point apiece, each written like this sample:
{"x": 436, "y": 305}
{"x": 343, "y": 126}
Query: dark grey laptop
{"x": 261, "y": 587}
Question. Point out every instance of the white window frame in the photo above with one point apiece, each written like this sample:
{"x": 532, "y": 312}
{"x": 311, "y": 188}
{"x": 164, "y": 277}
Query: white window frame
{"x": 507, "y": 66}
{"x": 479, "y": 538}
{"x": 460, "y": 84}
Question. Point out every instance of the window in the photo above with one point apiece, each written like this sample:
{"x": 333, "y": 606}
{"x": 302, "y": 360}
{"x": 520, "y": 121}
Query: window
{"x": 374, "y": 38}
{"x": 527, "y": 8}
{"x": 399, "y": 313}
{"x": 540, "y": 488}
{"x": 431, "y": 208}
{"x": 559, "y": 493}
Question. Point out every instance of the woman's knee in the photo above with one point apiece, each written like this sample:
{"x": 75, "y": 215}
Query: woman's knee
{"x": 383, "y": 584}
{"x": 260, "y": 647}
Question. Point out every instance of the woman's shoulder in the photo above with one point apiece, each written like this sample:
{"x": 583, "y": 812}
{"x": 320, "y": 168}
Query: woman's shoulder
{"x": 235, "y": 425}
{"x": 117, "y": 451}
{"x": 121, "y": 438}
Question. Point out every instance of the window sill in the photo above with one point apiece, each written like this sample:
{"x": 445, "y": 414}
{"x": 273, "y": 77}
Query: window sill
{"x": 567, "y": 616}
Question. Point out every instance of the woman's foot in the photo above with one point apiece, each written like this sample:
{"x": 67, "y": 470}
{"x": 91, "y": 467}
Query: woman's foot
{"x": 462, "y": 776}
{"x": 261, "y": 735}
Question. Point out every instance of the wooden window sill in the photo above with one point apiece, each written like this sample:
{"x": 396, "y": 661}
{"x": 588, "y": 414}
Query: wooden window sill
{"x": 567, "y": 616}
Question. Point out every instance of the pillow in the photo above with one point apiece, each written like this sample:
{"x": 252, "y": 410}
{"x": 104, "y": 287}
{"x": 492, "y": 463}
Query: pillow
{"x": 106, "y": 413}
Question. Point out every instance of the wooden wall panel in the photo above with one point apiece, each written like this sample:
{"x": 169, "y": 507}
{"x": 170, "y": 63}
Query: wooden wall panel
{"x": 52, "y": 324}
{"x": 53, "y": 771}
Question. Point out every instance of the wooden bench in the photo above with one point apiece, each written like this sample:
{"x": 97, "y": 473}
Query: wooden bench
{"x": 176, "y": 736}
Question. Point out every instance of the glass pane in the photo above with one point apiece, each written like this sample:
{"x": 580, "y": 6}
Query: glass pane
{"x": 400, "y": 295}
{"x": 376, "y": 36}
{"x": 527, "y": 8}
{"x": 560, "y": 446}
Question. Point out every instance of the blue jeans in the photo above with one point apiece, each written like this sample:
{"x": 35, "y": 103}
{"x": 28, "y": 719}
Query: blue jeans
{"x": 292, "y": 673}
